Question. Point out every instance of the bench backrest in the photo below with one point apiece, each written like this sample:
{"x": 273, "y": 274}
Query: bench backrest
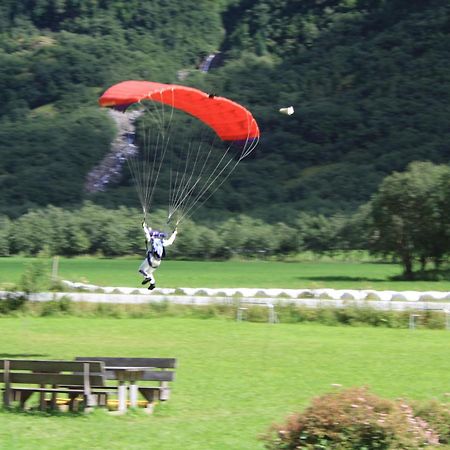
{"x": 158, "y": 367}
{"x": 55, "y": 372}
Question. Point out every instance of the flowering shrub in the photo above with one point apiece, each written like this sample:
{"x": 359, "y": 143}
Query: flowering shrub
{"x": 353, "y": 419}
{"x": 438, "y": 416}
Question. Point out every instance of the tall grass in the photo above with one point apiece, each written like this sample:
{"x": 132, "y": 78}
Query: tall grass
{"x": 18, "y": 306}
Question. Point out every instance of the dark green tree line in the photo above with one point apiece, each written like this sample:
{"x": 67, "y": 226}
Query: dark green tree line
{"x": 407, "y": 220}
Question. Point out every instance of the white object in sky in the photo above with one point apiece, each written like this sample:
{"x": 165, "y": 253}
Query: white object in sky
{"x": 288, "y": 111}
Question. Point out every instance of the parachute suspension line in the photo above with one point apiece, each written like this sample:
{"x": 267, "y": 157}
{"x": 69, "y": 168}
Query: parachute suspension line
{"x": 181, "y": 178}
{"x": 165, "y": 134}
{"x": 206, "y": 187}
{"x": 150, "y": 153}
{"x": 135, "y": 175}
{"x": 248, "y": 147}
{"x": 194, "y": 177}
{"x": 184, "y": 192}
{"x": 155, "y": 139}
{"x": 207, "y": 184}
{"x": 142, "y": 168}
{"x": 177, "y": 186}
{"x": 150, "y": 168}
{"x": 137, "y": 167}
{"x": 185, "y": 188}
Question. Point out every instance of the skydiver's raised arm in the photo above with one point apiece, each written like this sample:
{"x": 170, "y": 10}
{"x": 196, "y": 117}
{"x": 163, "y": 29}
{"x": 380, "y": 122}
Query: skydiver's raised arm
{"x": 147, "y": 231}
{"x": 169, "y": 241}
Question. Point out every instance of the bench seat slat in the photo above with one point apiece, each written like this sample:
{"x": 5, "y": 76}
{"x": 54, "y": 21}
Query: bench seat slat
{"x": 78, "y": 390}
{"x": 162, "y": 363}
{"x": 162, "y": 375}
{"x": 51, "y": 378}
{"x": 154, "y": 375}
{"x": 52, "y": 365}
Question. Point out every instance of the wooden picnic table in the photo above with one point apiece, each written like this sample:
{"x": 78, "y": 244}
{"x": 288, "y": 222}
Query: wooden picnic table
{"x": 133, "y": 375}
{"x": 130, "y": 375}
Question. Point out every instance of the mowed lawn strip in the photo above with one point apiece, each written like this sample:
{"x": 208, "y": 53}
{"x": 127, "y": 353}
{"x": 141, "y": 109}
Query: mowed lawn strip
{"x": 251, "y": 274}
{"x": 233, "y": 381}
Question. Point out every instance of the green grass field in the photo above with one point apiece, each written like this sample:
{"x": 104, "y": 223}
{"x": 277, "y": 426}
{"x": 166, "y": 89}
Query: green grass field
{"x": 234, "y": 378}
{"x": 259, "y": 274}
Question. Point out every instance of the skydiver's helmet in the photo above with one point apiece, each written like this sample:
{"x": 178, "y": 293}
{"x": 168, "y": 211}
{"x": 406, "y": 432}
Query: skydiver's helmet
{"x": 157, "y": 234}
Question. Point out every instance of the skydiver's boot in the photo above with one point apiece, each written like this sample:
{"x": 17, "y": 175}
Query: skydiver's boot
{"x": 151, "y": 287}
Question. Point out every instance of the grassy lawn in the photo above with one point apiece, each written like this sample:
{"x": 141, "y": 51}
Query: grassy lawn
{"x": 260, "y": 274}
{"x": 234, "y": 379}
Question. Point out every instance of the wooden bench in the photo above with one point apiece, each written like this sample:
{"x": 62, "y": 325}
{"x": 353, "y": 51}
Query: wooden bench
{"x": 159, "y": 370}
{"x": 52, "y": 377}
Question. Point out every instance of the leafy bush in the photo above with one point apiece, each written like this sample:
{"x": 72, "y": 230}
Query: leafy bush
{"x": 291, "y": 313}
{"x": 438, "y": 416}
{"x": 35, "y": 278}
{"x": 355, "y": 419}
{"x": 328, "y": 316}
{"x": 159, "y": 307}
{"x": 12, "y": 302}
{"x": 57, "y": 307}
{"x": 109, "y": 310}
{"x": 287, "y": 313}
{"x": 434, "y": 320}
{"x": 257, "y": 314}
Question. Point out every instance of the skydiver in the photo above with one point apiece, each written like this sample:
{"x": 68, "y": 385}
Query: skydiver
{"x": 155, "y": 243}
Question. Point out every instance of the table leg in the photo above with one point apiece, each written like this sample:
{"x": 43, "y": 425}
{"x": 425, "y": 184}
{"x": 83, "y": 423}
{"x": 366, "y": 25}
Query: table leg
{"x": 122, "y": 396}
{"x": 133, "y": 394}
{"x": 42, "y": 399}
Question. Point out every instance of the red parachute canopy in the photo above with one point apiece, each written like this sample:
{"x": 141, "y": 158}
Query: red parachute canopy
{"x": 231, "y": 121}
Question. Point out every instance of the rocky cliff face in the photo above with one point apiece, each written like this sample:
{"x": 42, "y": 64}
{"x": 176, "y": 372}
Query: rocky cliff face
{"x": 123, "y": 147}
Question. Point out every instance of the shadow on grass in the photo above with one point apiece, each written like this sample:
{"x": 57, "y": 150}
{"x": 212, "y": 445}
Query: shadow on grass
{"x": 425, "y": 275}
{"x": 340, "y": 278}
{"x": 36, "y": 412}
{"x": 22, "y": 355}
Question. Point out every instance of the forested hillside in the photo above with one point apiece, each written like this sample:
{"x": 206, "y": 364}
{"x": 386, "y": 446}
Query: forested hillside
{"x": 369, "y": 80}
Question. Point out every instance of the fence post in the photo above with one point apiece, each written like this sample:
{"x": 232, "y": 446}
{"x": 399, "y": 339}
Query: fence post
{"x": 272, "y": 313}
{"x": 412, "y": 321}
{"x": 240, "y": 313}
{"x": 55, "y": 264}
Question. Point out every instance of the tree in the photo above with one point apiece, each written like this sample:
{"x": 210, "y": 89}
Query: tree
{"x": 409, "y": 216}
{"x": 31, "y": 233}
{"x": 316, "y": 233}
{"x": 210, "y": 244}
{"x": 438, "y": 245}
{"x": 5, "y": 225}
